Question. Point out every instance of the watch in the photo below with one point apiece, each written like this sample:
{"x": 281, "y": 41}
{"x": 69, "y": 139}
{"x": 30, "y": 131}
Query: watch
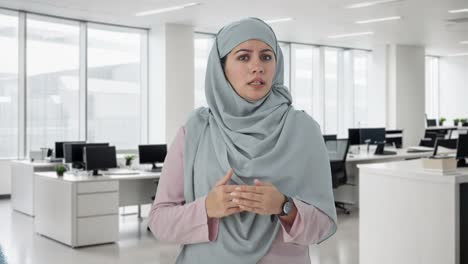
{"x": 287, "y": 206}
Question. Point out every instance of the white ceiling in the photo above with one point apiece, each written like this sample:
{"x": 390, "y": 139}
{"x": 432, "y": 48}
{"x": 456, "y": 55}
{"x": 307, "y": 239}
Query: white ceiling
{"x": 424, "y": 21}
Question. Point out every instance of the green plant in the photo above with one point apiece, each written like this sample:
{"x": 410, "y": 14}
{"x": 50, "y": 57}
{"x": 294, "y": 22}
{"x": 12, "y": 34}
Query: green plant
{"x": 456, "y": 121}
{"x": 441, "y": 121}
{"x": 463, "y": 120}
{"x": 128, "y": 159}
{"x": 60, "y": 169}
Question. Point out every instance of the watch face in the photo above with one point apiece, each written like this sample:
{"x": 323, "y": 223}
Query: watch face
{"x": 287, "y": 207}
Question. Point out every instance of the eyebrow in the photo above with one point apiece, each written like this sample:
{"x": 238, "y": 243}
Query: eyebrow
{"x": 248, "y": 50}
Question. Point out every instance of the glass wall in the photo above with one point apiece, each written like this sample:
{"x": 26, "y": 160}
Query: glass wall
{"x": 64, "y": 80}
{"x": 203, "y": 44}
{"x": 114, "y": 86}
{"x": 8, "y": 85}
{"x": 52, "y": 66}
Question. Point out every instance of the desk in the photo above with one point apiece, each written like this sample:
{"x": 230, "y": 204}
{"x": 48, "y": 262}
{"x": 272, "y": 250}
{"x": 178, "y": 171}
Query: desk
{"x": 22, "y": 183}
{"x": 84, "y": 210}
{"x": 411, "y": 215}
{"x": 349, "y": 193}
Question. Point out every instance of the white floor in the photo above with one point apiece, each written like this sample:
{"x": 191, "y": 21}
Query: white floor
{"x": 21, "y": 245}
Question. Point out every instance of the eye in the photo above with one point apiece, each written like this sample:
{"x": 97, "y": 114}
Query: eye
{"x": 267, "y": 57}
{"x": 243, "y": 57}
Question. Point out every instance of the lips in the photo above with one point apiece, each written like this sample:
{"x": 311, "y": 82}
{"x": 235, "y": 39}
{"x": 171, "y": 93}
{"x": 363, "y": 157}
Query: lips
{"x": 257, "y": 83}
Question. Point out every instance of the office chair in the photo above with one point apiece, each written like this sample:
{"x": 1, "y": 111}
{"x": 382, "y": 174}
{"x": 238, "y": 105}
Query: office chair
{"x": 338, "y": 166}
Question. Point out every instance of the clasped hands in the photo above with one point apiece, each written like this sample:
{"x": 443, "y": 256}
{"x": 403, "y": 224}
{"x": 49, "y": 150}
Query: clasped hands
{"x": 262, "y": 198}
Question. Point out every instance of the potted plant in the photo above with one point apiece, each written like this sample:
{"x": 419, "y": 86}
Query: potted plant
{"x": 463, "y": 121}
{"x": 441, "y": 121}
{"x": 60, "y": 169}
{"x": 128, "y": 159}
{"x": 456, "y": 121}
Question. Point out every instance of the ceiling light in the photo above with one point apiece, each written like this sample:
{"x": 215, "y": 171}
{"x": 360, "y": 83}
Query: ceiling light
{"x": 163, "y": 10}
{"x": 458, "y": 11}
{"x": 458, "y": 54}
{"x": 371, "y": 3}
{"x": 378, "y": 20}
{"x": 271, "y": 21}
{"x": 464, "y": 42}
{"x": 351, "y": 35}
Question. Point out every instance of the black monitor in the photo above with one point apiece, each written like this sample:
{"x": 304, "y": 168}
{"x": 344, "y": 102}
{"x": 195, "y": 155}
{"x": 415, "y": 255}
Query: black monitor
{"x": 73, "y": 152}
{"x": 152, "y": 154}
{"x": 446, "y": 143}
{"x": 99, "y": 158}
{"x": 372, "y": 135}
{"x": 359, "y": 136}
{"x": 462, "y": 150}
{"x": 431, "y": 122}
{"x": 59, "y": 147}
{"x": 354, "y": 137}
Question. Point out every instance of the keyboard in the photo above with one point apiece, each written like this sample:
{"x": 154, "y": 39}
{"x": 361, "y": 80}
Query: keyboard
{"x": 120, "y": 172}
{"x": 417, "y": 149}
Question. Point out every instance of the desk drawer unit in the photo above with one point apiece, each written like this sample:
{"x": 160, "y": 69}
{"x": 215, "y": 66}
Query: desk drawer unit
{"x": 97, "y": 230}
{"x": 94, "y": 187}
{"x": 96, "y": 204}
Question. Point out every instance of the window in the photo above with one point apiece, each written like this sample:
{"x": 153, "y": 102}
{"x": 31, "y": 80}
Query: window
{"x": 203, "y": 44}
{"x": 432, "y": 87}
{"x": 302, "y": 69}
{"x": 360, "y": 73}
{"x": 114, "y": 97}
{"x": 8, "y": 85}
{"x": 285, "y": 48}
{"x": 52, "y": 82}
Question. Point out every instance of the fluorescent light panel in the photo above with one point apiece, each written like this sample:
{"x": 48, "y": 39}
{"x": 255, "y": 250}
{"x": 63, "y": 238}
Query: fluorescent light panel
{"x": 458, "y": 54}
{"x": 167, "y": 9}
{"x": 371, "y": 3}
{"x": 351, "y": 35}
{"x": 271, "y": 21}
{"x": 458, "y": 11}
{"x": 464, "y": 42}
{"x": 378, "y": 20}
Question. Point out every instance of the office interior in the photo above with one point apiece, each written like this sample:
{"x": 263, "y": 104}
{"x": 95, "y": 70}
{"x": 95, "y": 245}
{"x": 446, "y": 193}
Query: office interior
{"x": 385, "y": 80}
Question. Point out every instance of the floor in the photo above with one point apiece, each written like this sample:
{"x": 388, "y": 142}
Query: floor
{"x": 21, "y": 245}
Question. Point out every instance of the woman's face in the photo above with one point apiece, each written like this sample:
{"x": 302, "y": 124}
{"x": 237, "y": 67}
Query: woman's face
{"x": 250, "y": 68}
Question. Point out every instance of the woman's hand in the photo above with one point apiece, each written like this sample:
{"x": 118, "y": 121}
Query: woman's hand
{"x": 219, "y": 202}
{"x": 263, "y": 198}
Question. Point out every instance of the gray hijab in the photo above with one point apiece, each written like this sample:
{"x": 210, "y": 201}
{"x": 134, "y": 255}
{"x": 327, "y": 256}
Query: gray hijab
{"x": 265, "y": 139}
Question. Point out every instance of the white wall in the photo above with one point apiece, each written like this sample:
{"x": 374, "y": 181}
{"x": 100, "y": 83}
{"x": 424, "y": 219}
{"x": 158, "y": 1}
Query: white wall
{"x": 453, "y": 88}
{"x": 5, "y": 177}
{"x": 171, "y": 80}
{"x": 406, "y": 90}
{"x": 376, "y": 91}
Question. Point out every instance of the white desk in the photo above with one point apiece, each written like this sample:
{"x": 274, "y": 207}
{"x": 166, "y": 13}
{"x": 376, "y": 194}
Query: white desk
{"x": 349, "y": 194}
{"x": 84, "y": 210}
{"x": 410, "y": 215}
{"x": 22, "y": 183}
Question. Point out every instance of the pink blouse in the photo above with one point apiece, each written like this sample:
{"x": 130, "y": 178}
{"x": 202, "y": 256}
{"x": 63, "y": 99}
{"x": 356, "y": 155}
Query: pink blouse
{"x": 171, "y": 219}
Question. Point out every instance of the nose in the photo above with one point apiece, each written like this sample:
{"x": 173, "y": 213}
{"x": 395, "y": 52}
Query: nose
{"x": 257, "y": 66}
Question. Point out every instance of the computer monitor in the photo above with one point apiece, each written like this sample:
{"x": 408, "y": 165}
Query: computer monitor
{"x": 462, "y": 150}
{"x": 431, "y": 122}
{"x": 354, "y": 137}
{"x": 372, "y": 135}
{"x": 59, "y": 147}
{"x": 151, "y": 154}
{"x": 446, "y": 143}
{"x": 99, "y": 158}
{"x": 73, "y": 152}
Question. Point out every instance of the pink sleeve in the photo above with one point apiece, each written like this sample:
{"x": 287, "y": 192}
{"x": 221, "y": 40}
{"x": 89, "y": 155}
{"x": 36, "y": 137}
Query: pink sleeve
{"x": 308, "y": 227}
{"x": 171, "y": 219}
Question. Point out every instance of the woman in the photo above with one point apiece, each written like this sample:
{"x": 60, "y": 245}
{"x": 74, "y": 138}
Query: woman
{"x": 225, "y": 189}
